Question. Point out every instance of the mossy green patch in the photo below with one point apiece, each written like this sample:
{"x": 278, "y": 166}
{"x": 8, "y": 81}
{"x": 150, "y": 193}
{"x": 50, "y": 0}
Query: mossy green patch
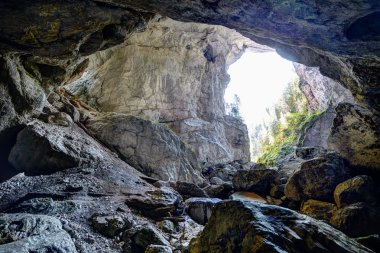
{"x": 287, "y": 136}
{"x": 292, "y": 121}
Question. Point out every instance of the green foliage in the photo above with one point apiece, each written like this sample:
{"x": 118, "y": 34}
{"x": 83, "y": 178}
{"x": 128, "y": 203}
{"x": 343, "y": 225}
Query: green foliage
{"x": 292, "y": 120}
{"x": 285, "y": 137}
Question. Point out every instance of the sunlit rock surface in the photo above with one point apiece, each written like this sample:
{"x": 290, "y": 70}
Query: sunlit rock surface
{"x": 151, "y": 148}
{"x": 174, "y": 73}
{"x": 321, "y": 92}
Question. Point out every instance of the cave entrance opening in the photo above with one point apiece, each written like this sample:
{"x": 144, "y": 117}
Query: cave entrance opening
{"x": 257, "y": 83}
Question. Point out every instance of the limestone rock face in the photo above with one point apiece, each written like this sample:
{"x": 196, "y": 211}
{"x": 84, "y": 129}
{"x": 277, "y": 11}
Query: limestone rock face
{"x": 237, "y": 226}
{"x": 44, "y": 148}
{"x": 317, "y": 178}
{"x": 174, "y": 73}
{"x": 149, "y": 147}
{"x": 327, "y": 35}
{"x": 21, "y": 97}
{"x": 321, "y": 91}
{"x": 23, "y": 233}
{"x": 28, "y": 97}
{"x": 356, "y": 136}
{"x": 306, "y": 32}
{"x": 349, "y": 129}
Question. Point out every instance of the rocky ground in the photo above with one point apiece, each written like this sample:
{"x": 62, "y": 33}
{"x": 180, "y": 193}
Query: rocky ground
{"x": 113, "y": 136}
{"x": 75, "y": 193}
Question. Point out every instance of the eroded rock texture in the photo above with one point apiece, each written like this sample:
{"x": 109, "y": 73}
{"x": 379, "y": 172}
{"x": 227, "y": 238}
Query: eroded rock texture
{"x": 320, "y": 91}
{"x": 38, "y": 233}
{"x": 349, "y": 129}
{"x": 236, "y": 226}
{"x": 173, "y": 73}
{"x": 151, "y": 148}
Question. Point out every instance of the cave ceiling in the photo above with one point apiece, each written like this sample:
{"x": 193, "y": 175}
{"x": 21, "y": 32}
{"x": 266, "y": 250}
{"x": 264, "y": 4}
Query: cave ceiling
{"x": 339, "y": 36}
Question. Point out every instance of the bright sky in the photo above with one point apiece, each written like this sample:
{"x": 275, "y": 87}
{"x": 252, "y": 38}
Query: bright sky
{"x": 259, "y": 80}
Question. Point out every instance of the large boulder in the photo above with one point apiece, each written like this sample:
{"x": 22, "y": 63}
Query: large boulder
{"x": 200, "y": 209}
{"x": 318, "y": 209}
{"x": 255, "y": 180}
{"x": 221, "y": 191}
{"x": 110, "y": 225}
{"x": 317, "y": 178}
{"x": 355, "y": 135}
{"x": 358, "y": 219}
{"x": 237, "y": 226}
{"x": 156, "y": 204}
{"x": 349, "y": 129}
{"x": 358, "y": 189}
{"x": 141, "y": 237}
{"x": 151, "y": 148}
{"x": 24, "y": 233}
{"x": 188, "y": 190}
{"x": 45, "y": 148}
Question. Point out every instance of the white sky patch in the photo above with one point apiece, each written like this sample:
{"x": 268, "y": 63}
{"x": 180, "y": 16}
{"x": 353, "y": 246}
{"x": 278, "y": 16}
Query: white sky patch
{"x": 259, "y": 80}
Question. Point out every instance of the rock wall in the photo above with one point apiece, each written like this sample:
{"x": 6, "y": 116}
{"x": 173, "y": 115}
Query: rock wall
{"x": 344, "y": 126}
{"x": 173, "y": 73}
{"x": 350, "y": 130}
{"x": 321, "y": 91}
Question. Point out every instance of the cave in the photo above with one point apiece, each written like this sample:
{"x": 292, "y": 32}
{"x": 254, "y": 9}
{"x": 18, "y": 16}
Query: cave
{"x": 115, "y": 136}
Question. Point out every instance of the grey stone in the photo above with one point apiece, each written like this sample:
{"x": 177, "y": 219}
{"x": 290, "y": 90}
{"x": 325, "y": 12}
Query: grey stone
{"x": 255, "y": 180}
{"x": 317, "y": 178}
{"x": 110, "y": 225}
{"x": 188, "y": 190}
{"x": 148, "y": 235}
{"x": 151, "y": 148}
{"x": 200, "y": 209}
{"x": 221, "y": 191}
{"x": 256, "y": 227}
{"x": 358, "y": 189}
{"x": 216, "y": 181}
{"x": 24, "y": 233}
{"x": 158, "y": 249}
{"x": 358, "y": 219}
{"x": 58, "y": 148}
{"x": 156, "y": 204}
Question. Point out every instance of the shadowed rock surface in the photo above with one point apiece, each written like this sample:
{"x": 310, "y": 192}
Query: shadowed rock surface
{"x": 317, "y": 178}
{"x": 237, "y": 226}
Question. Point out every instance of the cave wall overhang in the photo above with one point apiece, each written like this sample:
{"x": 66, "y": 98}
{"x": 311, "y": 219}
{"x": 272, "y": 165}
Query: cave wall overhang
{"x": 340, "y": 37}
